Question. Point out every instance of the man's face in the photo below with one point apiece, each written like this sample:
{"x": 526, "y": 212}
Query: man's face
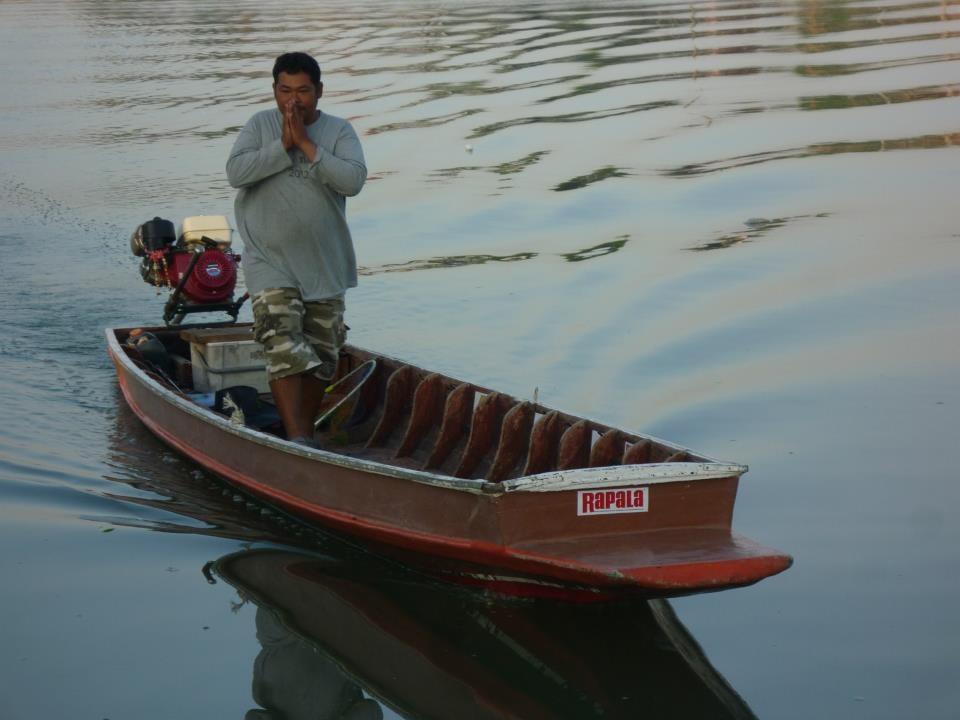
{"x": 299, "y": 89}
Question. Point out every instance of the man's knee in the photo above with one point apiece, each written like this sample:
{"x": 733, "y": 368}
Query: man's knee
{"x": 324, "y": 329}
{"x": 278, "y": 315}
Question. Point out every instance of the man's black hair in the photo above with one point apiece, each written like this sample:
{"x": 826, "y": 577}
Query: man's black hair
{"x": 297, "y": 62}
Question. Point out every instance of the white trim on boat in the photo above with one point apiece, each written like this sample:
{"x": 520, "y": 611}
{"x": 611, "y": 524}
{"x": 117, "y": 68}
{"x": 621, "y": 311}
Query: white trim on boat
{"x": 623, "y": 475}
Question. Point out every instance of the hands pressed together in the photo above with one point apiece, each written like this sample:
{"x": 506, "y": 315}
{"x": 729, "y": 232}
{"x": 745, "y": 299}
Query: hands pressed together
{"x": 295, "y": 132}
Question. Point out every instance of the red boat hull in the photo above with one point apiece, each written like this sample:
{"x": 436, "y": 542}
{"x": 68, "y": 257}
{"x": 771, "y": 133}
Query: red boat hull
{"x": 527, "y": 543}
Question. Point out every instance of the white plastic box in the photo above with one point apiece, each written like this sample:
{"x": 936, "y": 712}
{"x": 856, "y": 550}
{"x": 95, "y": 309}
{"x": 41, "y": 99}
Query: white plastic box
{"x": 215, "y": 227}
{"x": 218, "y": 365}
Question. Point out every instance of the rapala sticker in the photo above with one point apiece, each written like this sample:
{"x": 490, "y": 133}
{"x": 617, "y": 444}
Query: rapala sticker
{"x": 611, "y": 502}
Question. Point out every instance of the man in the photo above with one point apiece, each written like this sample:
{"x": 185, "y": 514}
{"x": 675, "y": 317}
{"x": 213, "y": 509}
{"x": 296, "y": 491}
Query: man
{"x": 294, "y": 166}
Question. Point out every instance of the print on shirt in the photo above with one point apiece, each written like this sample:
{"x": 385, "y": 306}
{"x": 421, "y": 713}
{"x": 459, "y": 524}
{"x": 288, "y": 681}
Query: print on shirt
{"x": 301, "y": 166}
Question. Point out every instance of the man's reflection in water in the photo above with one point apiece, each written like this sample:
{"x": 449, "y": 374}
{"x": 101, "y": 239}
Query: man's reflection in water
{"x": 292, "y": 680}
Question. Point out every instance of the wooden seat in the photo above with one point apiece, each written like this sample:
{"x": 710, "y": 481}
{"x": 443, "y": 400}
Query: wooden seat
{"x": 202, "y": 336}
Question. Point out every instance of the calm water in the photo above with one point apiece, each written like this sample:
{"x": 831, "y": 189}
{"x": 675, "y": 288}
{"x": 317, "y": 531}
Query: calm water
{"x": 731, "y": 224}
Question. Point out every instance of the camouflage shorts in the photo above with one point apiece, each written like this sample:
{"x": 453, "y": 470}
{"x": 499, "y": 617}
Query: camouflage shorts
{"x": 297, "y": 336}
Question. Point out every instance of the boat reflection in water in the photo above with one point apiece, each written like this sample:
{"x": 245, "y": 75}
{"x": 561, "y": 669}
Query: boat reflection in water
{"x": 344, "y": 632}
{"x": 339, "y": 642}
{"x": 292, "y": 680}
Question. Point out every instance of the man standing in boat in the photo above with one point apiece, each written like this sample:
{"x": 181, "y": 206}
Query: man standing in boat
{"x": 294, "y": 167}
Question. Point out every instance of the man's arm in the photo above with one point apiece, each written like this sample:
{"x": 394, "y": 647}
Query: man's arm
{"x": 249, "y": 163}
{"x": 344, "y": 169}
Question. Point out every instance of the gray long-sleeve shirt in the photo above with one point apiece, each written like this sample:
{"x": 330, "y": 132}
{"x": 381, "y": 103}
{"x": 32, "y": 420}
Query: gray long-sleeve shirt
{"x": 291, "y": 213}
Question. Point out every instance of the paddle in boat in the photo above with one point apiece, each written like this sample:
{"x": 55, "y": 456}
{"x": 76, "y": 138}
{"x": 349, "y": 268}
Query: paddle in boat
{"x": 467, "y": 482}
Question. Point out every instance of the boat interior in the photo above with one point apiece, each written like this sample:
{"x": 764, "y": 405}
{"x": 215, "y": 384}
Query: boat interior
{"x": 382, "y": 409}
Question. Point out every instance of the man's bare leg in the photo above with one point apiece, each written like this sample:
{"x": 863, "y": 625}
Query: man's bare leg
{"x": 298, "y": 399}
{"x": 314, "y": 390}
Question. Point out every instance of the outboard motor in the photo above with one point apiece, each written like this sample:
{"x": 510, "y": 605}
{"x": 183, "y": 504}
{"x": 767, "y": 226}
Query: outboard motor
{"x": 199, "y": 267}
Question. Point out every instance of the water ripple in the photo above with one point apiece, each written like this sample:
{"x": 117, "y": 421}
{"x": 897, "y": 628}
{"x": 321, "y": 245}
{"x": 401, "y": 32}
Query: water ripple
{"x": 922, "y": 142}
{"x": 566, "y": 172}
{"x": 430, "y": 69}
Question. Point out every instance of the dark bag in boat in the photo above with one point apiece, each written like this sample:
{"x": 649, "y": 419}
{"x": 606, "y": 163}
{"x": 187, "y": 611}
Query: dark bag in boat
{"x": 242, "y": 404}
{"x": 152, "y": 351}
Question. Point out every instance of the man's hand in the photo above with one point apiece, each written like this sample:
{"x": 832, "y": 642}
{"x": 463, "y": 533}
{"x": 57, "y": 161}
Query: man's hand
{"x": 287, "y": 136}
{"x": 296, "y": 132}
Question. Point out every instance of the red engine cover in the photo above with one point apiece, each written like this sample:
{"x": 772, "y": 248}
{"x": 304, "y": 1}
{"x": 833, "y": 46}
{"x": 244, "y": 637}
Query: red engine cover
{"x": 213, "y": 277}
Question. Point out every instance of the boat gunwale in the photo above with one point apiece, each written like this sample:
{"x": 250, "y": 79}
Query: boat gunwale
{"x": 550, "y": 481}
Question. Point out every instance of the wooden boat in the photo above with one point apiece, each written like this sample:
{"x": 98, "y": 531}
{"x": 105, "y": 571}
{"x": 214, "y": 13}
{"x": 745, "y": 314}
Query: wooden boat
{"x": 331, "y": 630}
{"x": 467, "y": 482}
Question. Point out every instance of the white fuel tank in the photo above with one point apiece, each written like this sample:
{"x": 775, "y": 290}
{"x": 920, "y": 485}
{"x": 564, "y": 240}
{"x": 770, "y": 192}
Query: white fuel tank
{"x": 214, "y": 227}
